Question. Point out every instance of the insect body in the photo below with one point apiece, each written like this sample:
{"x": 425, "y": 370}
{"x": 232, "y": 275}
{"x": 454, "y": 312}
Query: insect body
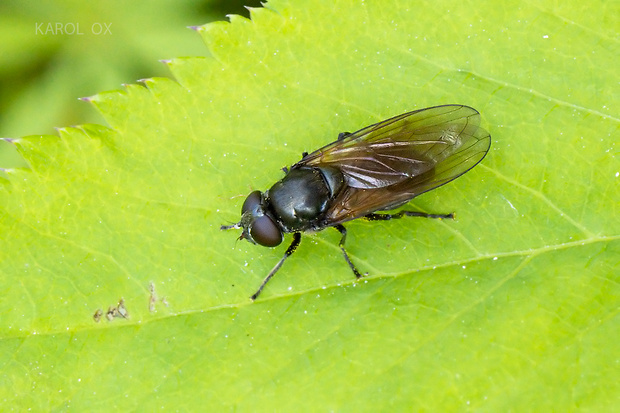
{"x": 378, "y": 168}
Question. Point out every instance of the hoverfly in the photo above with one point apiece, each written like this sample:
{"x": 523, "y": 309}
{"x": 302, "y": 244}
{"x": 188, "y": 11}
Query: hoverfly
{"x": 378, "y": 168}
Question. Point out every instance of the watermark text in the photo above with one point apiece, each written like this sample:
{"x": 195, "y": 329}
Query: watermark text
{"x": 71, "y": 29}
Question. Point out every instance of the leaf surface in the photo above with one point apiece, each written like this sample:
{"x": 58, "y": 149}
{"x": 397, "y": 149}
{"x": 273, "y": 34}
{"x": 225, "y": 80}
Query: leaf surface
{"x": 513, "y": 305}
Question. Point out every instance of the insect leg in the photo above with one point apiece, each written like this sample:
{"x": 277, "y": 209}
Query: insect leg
{"x": 343, "y": 231}
{"x": 291, "y": 249}
{"x": 386, "y": 217}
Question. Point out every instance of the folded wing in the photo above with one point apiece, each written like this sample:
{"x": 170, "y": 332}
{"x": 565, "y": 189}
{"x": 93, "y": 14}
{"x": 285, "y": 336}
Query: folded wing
{"x": 387, "y": 164}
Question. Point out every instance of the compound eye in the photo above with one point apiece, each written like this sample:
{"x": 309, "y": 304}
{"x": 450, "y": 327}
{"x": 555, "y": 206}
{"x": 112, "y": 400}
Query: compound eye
{"x": 265, "y": 232}
{"x": 252, "y": 202}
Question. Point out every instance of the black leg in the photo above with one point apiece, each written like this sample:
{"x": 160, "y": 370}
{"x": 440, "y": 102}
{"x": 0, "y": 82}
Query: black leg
{"x": 385, "y": 217}
{"x": 343, "y": 135}
{"x": 343, "y": 231}
{"x": 291, "y": 249}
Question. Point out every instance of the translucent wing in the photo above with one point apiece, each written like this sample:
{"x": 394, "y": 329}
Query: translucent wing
{"x": 387, "y": 164}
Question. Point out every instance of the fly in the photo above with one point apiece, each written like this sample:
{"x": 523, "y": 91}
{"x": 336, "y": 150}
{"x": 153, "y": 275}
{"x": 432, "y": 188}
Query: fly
{"x": 378, "y": 168}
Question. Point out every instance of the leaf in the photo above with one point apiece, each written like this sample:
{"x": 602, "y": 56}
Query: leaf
{"x": 513, "y": 305}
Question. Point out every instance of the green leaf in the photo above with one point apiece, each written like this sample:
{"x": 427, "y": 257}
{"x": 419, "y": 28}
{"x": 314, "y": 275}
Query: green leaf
{"x": 513, "y": 305}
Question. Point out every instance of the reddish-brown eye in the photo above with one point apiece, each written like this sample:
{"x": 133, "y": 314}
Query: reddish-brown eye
{"x": 265, "y": 232}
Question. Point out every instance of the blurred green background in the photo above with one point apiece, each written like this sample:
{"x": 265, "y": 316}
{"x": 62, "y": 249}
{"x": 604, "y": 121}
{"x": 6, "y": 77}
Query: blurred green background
{"x": 54, "y": 52}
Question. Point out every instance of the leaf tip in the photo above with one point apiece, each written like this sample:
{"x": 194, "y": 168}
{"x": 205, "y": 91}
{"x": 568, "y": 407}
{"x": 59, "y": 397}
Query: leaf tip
{"x": 7, "y": 172}
{"x": 146, "y": 81}
{"x": 252, "y": 9}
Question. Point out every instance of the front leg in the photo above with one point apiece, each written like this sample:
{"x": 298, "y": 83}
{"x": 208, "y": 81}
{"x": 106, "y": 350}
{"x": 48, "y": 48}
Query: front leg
{"x": 289, "y": 251}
